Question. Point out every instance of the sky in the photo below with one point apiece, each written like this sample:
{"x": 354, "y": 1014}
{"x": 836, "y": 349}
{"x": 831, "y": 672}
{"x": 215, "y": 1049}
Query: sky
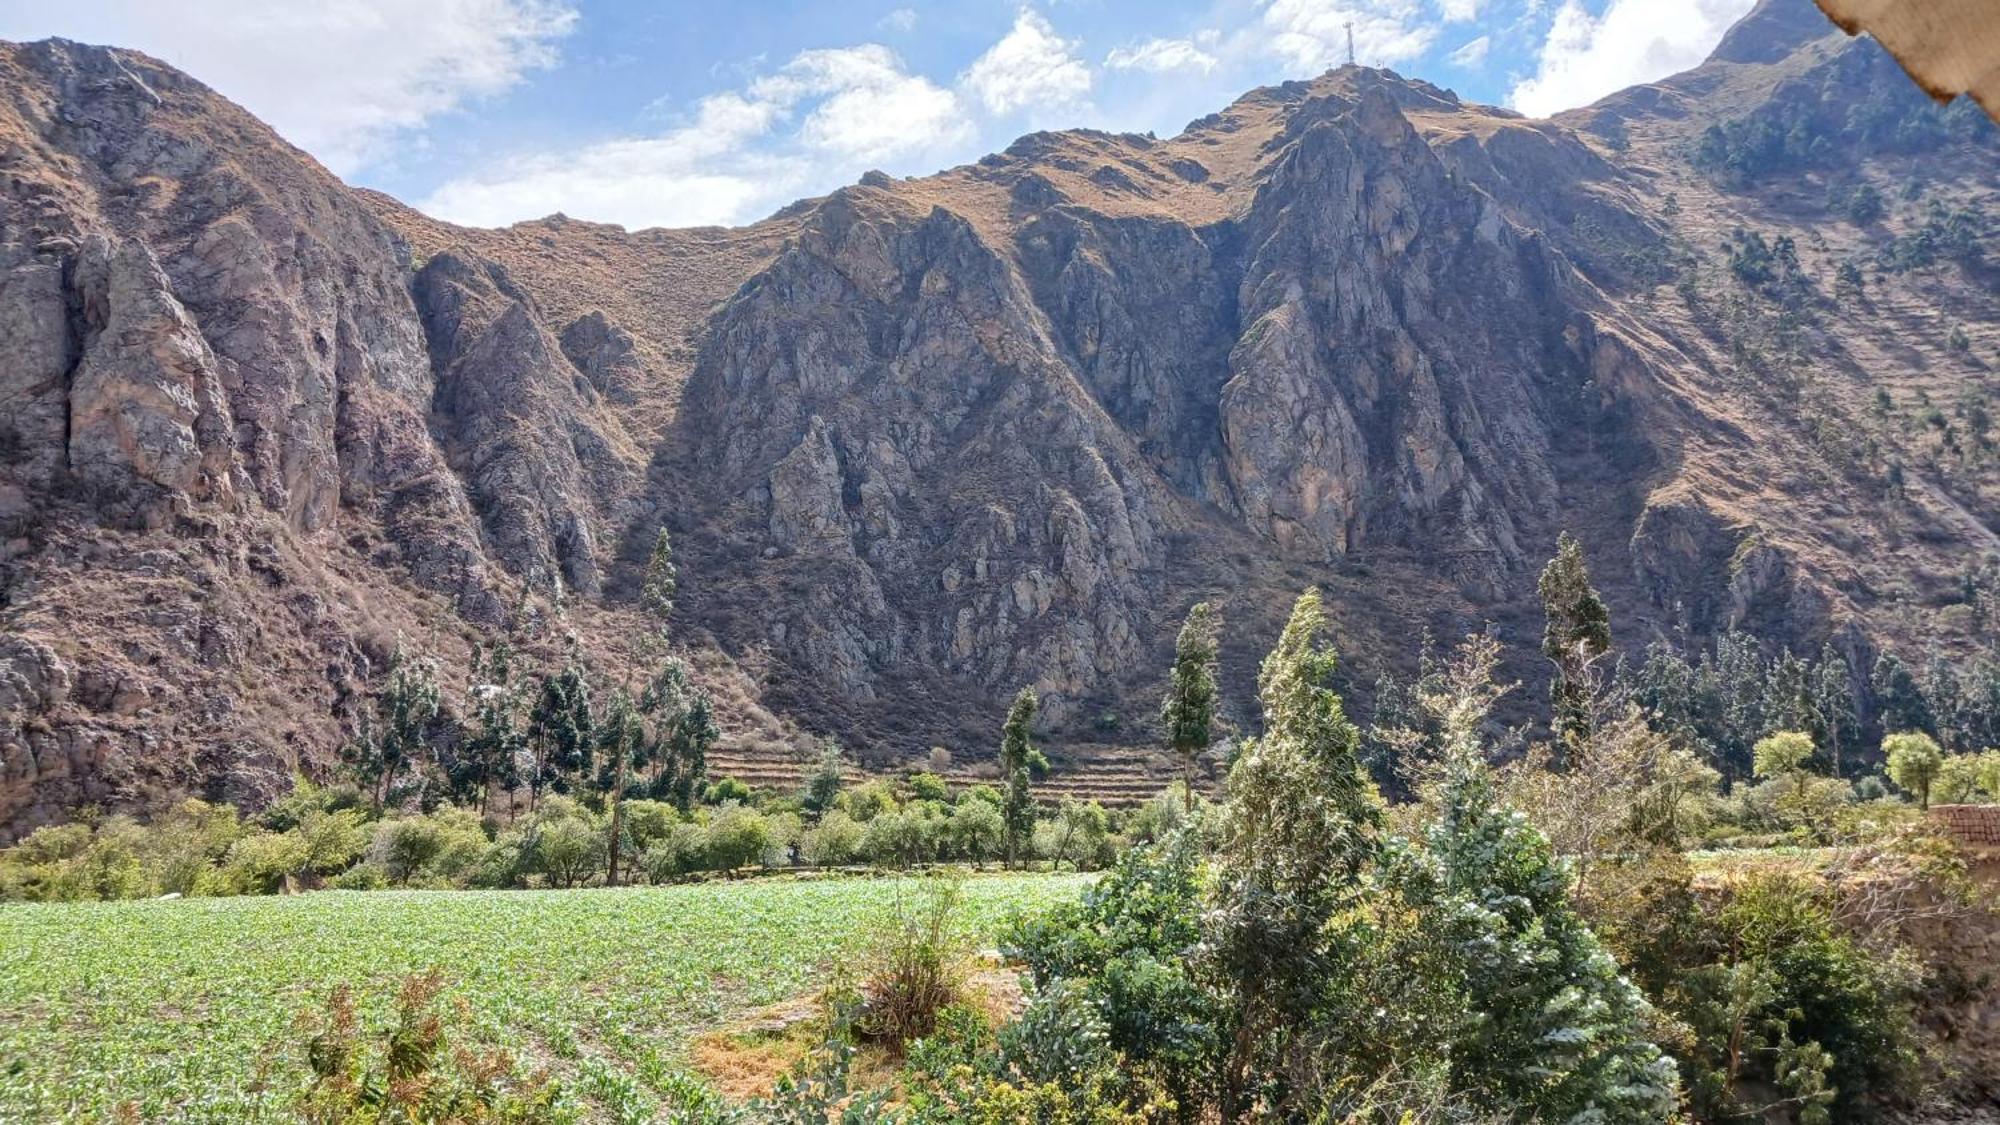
{"x": 686, "y": 113}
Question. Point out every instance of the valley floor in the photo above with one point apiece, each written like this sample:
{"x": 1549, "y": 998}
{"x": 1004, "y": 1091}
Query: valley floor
{"x": 189, "y": 1010}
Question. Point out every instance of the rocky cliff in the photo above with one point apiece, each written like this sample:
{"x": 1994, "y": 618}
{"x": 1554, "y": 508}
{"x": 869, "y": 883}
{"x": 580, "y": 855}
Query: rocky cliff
{"x": 922, "y": 441}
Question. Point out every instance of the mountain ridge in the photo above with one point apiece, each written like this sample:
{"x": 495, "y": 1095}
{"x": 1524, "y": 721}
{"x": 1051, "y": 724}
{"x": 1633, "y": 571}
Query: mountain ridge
{"x": 921, "y": 441}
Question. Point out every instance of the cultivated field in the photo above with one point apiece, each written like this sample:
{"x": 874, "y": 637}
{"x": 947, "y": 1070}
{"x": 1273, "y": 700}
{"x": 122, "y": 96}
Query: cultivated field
{"x": 188, "y": 1010}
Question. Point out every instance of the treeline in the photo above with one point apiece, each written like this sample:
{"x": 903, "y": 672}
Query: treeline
{"x": 1721, "y": 698}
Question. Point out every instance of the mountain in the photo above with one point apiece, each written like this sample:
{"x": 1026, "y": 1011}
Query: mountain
{"x": 922, "y": 441}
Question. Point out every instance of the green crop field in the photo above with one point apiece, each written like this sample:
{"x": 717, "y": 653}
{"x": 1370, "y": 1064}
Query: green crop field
{"x": 188, "y": 1010}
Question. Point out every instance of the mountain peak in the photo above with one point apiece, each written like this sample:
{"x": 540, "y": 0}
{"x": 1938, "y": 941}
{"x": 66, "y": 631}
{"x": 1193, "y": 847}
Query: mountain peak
{"x": 1772, "y": 30}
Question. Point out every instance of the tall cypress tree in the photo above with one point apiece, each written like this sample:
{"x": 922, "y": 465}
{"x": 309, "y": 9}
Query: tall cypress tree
{"x": 1576, "y": 631}
{"x": 1188, "y": 712}
{"x": 1018, "y": 762}
{"x": 1298, "y": 835}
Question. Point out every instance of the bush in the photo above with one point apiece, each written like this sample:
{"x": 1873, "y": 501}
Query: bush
{"x": 569, "y": 851}
{"x": 916, "y": 968}
{"x": 726, "y": 791}
{"x": 117, "y": 857}
{"x": 682, "y": 851}
{"x": 737, "y": 837}
{"x": 1792, "y": 1002}
{"x": 929, "y": 787}
{"x": 414, "y": 1072}
{"x": 429, "y": 850}
{"x": 835, "y": 841}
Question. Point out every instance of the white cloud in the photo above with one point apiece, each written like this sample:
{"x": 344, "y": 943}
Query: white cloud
{"x": 1031, "y": 66}
{"x": 740, "y": 156}
{"x": 902, "y": 19}
{"x": 1586, "y": 57}
{"x": 872, "y": 108}
{"x": 1458, "y": 11}
{"x": 340, "y": 80}
{"x": 1311, "y": 35}
{"x": 1162, "y": 56}
{"x": 1471, "y": 54}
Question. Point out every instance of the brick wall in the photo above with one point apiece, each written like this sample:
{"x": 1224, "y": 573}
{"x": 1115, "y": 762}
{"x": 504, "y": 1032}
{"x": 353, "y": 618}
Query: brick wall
{"x": 1976, "y": 826}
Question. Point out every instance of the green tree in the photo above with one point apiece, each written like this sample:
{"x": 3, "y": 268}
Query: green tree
{"x": 619, "y": 731}
{"x": 656, "y": 594}
{"x": 489, "y": 757}
{"x": 1188, "y": 713}
{"x": 1914, "y": 762}
{"x": 1545, "y": 1027}
{"x": 823, "y": 784}
{"x": 686, "y": 757}
{"x": 1298, "y": 835}
{"x": 1084, "y": 827}
{"x": 1898, "y": 700}
{"x": 1019, "y": 761}
{"x": 395, "y": 742}
{"x": 976, "y": 831}
{"x": 1783, "y": 758}
{"x": 1576, "y": 632}
{"x": 559, "y": 730}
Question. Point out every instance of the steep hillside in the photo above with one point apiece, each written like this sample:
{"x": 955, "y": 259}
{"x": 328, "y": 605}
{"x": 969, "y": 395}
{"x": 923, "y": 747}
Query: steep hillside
{"x": 922, "y": 441}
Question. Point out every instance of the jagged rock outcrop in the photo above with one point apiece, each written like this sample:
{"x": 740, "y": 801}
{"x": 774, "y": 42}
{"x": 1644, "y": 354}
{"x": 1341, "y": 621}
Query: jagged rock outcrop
{"x": 920, "y": 442}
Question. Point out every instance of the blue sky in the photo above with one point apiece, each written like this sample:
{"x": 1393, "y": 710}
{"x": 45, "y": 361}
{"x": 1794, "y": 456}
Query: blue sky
{"x": 683, "y": 113}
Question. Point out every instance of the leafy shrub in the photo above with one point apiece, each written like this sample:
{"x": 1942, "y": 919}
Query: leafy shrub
{"x": 682, "y": 851}
{"x": 1790, "y": 1001}
{"x": 737, "y": 837}
{"x": 417, "y": 1074}
{"x": 834, "y": 841}
{"x": 436, "y": 849}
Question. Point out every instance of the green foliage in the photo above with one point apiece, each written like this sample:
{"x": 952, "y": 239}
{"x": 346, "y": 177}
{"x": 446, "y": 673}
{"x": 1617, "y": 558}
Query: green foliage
{"x": 656, "y": 595}
{"x": 1522, "y": 1000}
{"x": 977, "y": 831}
{"x": 1791, "y": 1002}
{"x": 1783, "y": 753}
{"x": 1187, "y": 714}
{"x": 836, "y": 840}
{"x": 1296, "y": 839}
{"x": 1914, "y": 760}
{"x": 823, "y": 784}
{"x": 928, "y": 787}
{"x": 1576, "y": 631}
{"x": 738, "y": 837}
{"x": 728, "y": 791}
{"x": 431, "y": 849}
{"x": 1019, "y": 761}
{"x": 488, "y": 757}
{"x": 395, "y": 741}
{"x": 560, "y": 730}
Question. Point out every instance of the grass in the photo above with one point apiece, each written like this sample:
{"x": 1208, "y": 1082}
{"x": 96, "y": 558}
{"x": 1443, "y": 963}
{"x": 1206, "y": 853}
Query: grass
{"x": 188, "y": 1010}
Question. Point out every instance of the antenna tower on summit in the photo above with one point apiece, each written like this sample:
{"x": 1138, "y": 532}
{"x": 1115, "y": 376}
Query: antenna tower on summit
{"x": 1350, "y": 42}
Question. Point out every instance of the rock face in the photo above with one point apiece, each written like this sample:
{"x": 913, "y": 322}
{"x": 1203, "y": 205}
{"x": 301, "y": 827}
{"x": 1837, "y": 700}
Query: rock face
{"x": 921, "y": 442}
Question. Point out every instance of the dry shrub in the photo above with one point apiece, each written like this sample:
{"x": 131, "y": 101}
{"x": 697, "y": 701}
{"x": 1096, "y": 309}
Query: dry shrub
{"x": 416, "y": 1074}
{"x": 917, "y": 967}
